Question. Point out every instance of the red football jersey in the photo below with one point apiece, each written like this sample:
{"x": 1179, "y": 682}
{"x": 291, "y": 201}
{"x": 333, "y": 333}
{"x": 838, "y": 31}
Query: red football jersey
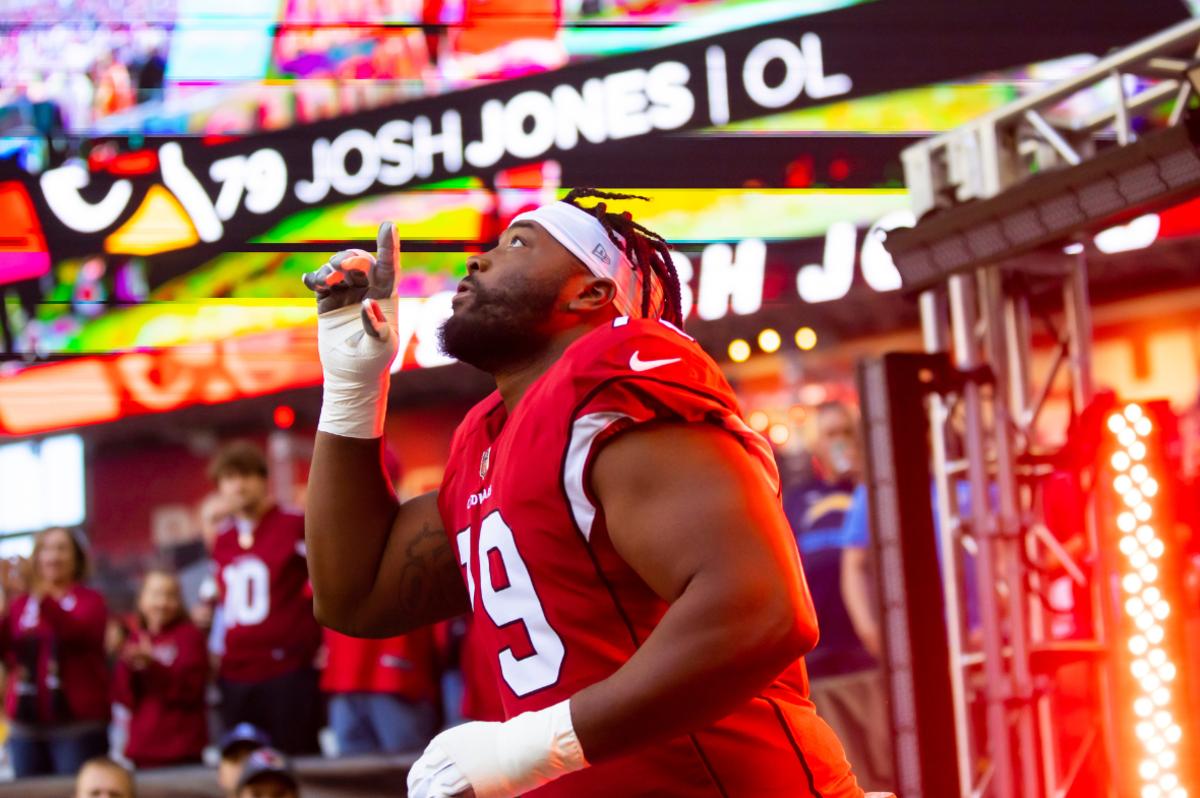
{"x": 557, "y": 609}
{"x": 481, "y": 699}
{"x": 266, "y": 598}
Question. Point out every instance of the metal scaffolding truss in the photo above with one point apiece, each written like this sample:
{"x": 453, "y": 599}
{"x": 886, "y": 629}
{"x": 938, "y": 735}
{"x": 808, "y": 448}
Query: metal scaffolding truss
{"x": 983, "y": 432}
{"x": 983, "y": 439}
{"x": 1061, "y": 126}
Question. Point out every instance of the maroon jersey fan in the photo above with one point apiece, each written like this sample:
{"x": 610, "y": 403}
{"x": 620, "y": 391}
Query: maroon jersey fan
{"x": 266, "y": 675}
{"x": 266, "y": 598}
{"x": 557, "y": 612}
{"x": 54, "y": 654}
{"x": 168, "y": 724}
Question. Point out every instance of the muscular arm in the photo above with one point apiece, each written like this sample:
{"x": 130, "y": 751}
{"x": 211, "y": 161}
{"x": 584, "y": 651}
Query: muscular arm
{"x": 688, "y": 509}
{"x": 379, "y": 568}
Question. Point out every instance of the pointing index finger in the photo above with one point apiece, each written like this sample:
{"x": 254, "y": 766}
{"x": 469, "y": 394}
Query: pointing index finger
{"x": 387, "y": 259}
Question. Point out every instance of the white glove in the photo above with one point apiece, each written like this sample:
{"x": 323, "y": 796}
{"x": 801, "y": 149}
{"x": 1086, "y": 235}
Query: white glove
{"x": 356, "y": 336}
{"x": 499, "y": 760}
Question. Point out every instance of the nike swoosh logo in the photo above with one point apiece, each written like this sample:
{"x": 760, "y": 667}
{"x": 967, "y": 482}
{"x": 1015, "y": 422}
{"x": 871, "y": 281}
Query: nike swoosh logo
{"x": 637, "y": 364}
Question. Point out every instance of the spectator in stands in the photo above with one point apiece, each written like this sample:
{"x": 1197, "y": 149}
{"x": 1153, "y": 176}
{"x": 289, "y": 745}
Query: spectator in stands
{"x": 52, "y": 640}
{"x": 267, "y": 774}
{"x": 235, "y": 747}
{"x": 101, "y": 777}
{"x": 161, "y": 677}
{"x": 266, "y": 674}
{"x": 381, "y": 692}
{"x": 151, "y": 72}
{"x": 448, "y": 641}
{"x": 197, "y": 580}
{"x": 114, "y": 89}
{"x": 202, "y": 595}
{"x": 846, "y": 682}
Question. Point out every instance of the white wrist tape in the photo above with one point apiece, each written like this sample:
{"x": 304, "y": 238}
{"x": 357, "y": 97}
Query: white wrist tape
{"x": 501, "y": 760}
{"x": 357, "y": 370}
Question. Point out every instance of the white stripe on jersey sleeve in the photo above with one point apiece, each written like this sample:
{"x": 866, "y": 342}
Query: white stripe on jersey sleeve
{"x": 584, "y": 432}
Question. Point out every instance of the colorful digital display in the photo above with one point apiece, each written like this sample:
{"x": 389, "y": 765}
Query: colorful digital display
{"x": 249, "y": 292}
{"x": 172, "y": 263}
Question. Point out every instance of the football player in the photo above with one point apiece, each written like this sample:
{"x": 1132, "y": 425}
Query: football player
{"x": 610, "y": 520}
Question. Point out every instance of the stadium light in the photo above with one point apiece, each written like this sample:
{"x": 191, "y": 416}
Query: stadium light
{"x": 769, "y": 340}
{"x": 284, "y": 416}
{"x": 739, "y": 350}
{"x": 1146, "y": 608}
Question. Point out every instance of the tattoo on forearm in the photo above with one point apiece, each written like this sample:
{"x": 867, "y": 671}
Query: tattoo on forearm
{"x": 425, "y": 590}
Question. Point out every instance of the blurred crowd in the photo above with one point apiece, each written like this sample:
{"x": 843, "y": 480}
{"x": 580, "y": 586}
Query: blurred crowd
{"x": 222, "y": 658}
{"x": 64, "y": 66}
{"x": 218, "y": 660}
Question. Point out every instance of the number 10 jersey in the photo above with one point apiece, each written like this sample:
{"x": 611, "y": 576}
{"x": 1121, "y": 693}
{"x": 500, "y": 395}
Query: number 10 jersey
{"x": 555, "y": 607}
{"x": 267, "y": 600}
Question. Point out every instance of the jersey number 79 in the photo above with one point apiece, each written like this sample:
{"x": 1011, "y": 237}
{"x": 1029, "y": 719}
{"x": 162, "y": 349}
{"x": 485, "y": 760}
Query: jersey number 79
{"x": 514, "y": 602}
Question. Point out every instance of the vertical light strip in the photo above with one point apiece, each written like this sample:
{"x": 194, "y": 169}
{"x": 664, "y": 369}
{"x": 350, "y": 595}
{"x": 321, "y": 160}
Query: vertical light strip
{"x": 1145, "y": 606}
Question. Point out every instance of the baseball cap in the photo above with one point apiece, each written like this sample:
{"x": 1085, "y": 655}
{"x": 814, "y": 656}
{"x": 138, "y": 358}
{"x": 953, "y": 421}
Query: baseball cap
{"x": 244, "y": 733}
{"x": 267, "y": 762}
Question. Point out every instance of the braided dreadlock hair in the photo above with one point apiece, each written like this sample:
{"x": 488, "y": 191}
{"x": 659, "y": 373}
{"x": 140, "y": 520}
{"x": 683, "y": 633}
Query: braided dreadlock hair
{"x": 647, "y": 250}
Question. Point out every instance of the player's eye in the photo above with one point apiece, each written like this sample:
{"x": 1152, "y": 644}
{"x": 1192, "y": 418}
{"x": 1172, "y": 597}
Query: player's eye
{"x": 515, "y": 240}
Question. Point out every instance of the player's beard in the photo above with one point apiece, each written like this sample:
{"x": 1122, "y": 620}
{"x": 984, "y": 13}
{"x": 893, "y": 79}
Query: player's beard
{"x": 498, "y": 328}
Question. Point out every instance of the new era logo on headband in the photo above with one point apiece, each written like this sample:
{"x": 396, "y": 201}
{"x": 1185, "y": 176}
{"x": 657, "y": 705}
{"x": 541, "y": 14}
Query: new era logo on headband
{"x": 602, "y": 254}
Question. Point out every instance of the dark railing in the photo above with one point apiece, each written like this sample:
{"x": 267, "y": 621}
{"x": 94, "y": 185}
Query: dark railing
{"x": 351, "y": 777}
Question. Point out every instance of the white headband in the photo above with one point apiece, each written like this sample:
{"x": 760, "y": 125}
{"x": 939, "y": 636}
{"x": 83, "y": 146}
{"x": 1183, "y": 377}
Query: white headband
{"x": 585, "y": 238}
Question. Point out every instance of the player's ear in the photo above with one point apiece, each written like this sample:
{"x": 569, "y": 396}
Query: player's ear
{"x": 593, "y": 294}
